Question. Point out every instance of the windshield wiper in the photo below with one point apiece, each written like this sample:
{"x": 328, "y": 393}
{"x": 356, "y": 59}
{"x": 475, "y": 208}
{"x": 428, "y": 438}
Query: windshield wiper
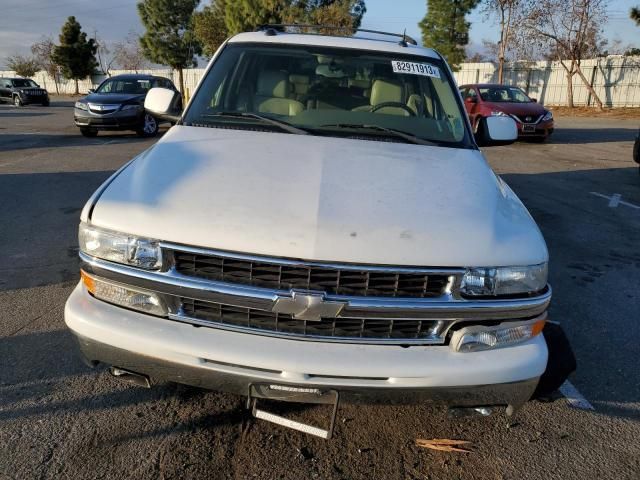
{"x": 287, "y": 127}
{"x": 390, "y": 131}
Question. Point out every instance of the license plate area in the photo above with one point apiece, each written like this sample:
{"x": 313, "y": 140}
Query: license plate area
{"x": 289, "y": 393}
{"x": 529, "y": 128}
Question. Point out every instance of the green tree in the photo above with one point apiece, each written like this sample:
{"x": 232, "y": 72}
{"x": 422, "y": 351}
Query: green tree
{"x": 169, "y": 38}
{"x": 446, "y": 29}
{"x": 76, "y": 55}
{"x": 246, "y": 15}
{"x": 210, "y": 27}
{"x": 635, "y": 15}
{"x": 23, "y": 66}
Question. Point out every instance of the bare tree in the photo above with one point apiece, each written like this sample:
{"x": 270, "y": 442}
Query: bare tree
{"x": 509, "y": 14}
{"x": 128, "y": 53}
{"x": 43, "y": 51}
{"x": 571, "y": 30}
{"x": 24, "y": 66}
{"x": 104, "y": 56}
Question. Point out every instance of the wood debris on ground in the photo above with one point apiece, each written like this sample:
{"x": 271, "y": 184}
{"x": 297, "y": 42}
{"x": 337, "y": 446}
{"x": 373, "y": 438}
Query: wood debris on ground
{"x": 444, "y": 445}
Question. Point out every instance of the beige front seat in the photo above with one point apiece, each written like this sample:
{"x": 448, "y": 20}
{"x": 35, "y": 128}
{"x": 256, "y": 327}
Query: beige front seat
{"x": 299, "y": 85}
{"x": 272, "y": 92}
{"x": 384, "y": 91}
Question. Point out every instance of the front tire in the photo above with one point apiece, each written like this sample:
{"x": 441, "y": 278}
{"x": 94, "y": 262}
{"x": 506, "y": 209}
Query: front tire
{"x": 16, "y": 101}
{"x": 89, "y": 132}
{"x": 45, "y": 103}
{"x": 149, "y": 126}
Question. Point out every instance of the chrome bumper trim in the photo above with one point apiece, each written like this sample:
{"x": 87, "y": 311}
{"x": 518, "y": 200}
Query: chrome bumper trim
{"x": 446, "y": 307}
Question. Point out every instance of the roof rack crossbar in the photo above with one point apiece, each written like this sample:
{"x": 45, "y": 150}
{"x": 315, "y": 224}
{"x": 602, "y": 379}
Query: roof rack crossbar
{"x": 274, "y": 27}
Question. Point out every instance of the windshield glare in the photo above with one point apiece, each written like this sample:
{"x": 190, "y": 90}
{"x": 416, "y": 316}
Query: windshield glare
{"x": 24, "y": 83}
{"x": 504, "y": 94}
{"x": 328, "y": 90}
{"x": 131, "y": 86}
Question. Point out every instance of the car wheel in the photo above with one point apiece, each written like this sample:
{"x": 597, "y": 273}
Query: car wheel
{"x": 149, "y": 127}
{"x": 16, "y": 101}
{"x": 45, "y": 103}
{"x": 89, "y": 132}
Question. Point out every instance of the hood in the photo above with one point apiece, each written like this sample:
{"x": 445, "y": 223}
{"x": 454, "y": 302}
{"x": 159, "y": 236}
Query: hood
{"x": 112, "y": 98}
{"x": 321, "y": 198}
{"x": 533, "y": 109}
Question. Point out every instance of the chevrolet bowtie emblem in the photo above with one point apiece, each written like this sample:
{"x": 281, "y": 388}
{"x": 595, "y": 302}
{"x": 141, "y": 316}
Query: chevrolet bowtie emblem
{"x": 307, "y": 306}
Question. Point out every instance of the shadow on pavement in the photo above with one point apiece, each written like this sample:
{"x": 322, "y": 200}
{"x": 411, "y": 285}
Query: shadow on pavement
{"x": 569, "y": 136}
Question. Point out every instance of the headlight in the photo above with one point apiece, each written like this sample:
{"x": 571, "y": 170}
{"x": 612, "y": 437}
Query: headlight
{"x": 124, "y": 295}
{"x": 504, "y": 280}
{"x": 80, "y": 106}
{"x": 497, "y": 113}
{"x": 476, "y": 338}
{"x": 131, "y": 107}
{"x": 547, "y": 116}
{"x": 120, "y": 247}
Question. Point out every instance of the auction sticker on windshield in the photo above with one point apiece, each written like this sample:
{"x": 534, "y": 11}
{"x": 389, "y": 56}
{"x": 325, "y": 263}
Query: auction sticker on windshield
{"x": 413, "y": 68}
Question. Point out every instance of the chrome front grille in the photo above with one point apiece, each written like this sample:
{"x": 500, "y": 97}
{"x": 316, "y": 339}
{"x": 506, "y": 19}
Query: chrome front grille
{"x": 362, "y": 281}
{"x": 336, "y": 329}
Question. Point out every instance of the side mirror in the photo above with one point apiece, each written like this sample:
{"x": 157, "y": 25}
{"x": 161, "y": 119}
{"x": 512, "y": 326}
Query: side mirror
{"x": 91, "y": 90}
{"x": 534, "y": 100}
{"x": 502, "y": 129}
{"x": 163, "y": 103}
{"x": 471, "y": 100}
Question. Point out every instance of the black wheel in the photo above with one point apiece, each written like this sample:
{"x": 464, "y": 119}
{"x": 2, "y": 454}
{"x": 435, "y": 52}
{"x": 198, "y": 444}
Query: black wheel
{"x": 16, "y": 101}
{"x": 150, "y": 126}
{"x": 89, "y": 132}
{"x": 45, "y": 103}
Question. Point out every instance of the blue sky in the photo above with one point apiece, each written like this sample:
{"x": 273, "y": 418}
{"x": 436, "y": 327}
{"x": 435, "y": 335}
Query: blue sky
{"x": 23, "y": 22}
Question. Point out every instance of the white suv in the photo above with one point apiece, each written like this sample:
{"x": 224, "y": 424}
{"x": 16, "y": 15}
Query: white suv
{"x": 318, "y": 224}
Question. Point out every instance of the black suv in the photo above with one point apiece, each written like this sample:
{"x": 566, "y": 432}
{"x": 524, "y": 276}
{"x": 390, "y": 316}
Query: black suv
{"x": 22, "y": 91}
{"x": 118, "y": 104}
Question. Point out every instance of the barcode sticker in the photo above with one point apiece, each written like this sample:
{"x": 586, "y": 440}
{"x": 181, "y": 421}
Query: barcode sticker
{"x": 413, "y": 68}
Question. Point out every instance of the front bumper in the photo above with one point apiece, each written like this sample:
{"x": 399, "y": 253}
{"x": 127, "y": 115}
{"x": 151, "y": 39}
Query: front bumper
{"x": 228, "y": 361}
{"x": 542, "y": 129}
{"x": 30, "y": 99}
{"x": 113, "y": 121}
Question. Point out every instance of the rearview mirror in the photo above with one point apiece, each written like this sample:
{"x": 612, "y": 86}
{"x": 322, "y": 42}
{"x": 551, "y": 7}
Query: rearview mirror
{"x": 163, "y": 103}
{"x": 502, "y": 129}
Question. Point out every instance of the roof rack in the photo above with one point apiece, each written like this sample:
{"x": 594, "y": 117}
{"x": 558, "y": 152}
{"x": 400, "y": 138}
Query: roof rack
{"x": 274, "y": 28}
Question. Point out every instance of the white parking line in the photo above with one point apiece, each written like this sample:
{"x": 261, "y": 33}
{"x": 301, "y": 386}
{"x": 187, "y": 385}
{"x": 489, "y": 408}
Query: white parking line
{"x": 574, "y": 397}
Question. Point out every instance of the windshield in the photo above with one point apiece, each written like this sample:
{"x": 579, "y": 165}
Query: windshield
{"x": 132, "y": 86}
{"x": 24, "y": 83}
{"x": 331, "y": 91}
{"x": 504, "y": 94}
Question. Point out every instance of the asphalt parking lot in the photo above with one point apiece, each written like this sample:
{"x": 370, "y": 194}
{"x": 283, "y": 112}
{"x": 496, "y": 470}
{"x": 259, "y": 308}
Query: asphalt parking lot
{"x": 59, "y": 419}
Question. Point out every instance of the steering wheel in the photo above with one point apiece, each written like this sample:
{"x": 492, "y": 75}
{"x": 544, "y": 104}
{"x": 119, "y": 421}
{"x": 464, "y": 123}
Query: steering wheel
{"x": 401, "y": 105}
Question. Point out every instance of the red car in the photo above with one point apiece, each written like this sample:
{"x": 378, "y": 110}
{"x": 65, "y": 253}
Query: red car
{"x": 485, "y": 100}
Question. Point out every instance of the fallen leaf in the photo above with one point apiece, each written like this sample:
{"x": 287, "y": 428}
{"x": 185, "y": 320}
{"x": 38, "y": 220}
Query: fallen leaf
{"x": 444, "y": 445}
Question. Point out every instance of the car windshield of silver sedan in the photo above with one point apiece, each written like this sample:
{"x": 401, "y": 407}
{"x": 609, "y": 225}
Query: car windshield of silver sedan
{"x": 128, "y": 86}
{"x": 504, "y": 94}
{"x": 331, "y": 92}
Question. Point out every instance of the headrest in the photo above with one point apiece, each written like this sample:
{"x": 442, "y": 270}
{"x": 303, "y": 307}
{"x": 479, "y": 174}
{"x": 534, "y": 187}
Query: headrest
{"x": 273, "y": 83}
{"x": 384, "y": 91}
{"x": 301, "y": 79}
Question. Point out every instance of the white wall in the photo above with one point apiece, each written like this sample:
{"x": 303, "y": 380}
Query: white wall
{"x": 615, "y": 79}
